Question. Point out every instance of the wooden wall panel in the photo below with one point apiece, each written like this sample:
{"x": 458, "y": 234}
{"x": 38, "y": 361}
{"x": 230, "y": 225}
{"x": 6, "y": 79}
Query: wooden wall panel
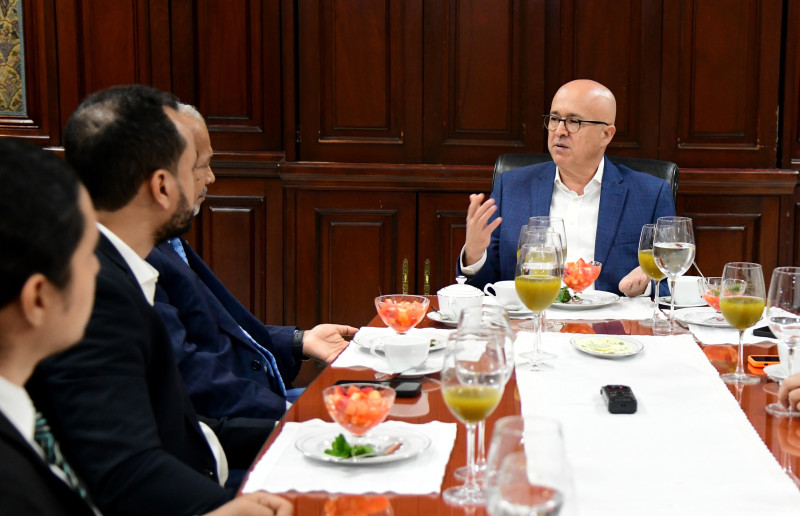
{"x": 350, "y": 248}
{"x": 360, "y": 80}
{"x": 441, "y": 235}
{"x": 41, "y": 123}
{"x": 623, "y": 53}
{"x": 484, "y": 84}
{"x": 227, "y": 62}
{"x": 720, "y": 71}
{"x": 790, "y": 129}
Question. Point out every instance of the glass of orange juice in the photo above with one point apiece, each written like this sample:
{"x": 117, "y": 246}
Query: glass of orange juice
{"x": 742, "y": 300}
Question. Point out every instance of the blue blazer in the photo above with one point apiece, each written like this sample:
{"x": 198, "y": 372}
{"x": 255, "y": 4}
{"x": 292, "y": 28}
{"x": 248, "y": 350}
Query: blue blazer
{"x": 628, "y": 200}
{"x": 223, "y": 370}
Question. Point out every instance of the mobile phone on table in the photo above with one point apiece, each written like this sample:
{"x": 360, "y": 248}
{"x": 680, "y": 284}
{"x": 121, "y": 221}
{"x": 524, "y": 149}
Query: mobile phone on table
{"x": 763, "y": 360}
{"x": 402, "y": 388}
{"x": 764, "y": 331}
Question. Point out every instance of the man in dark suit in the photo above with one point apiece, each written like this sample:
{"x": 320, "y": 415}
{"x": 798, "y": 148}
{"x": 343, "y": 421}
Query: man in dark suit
{"x": 47, "y": 283}
{"x": 604, "y": 205}
{"x": 116, "y": 400}
{"x": 233, "y": 365}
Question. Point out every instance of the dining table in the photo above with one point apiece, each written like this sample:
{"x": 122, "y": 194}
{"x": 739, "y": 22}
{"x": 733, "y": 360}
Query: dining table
{"x": 780, "y": 435}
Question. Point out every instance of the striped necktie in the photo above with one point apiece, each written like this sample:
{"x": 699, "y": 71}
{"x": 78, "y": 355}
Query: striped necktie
{"x": 43, "y": 436}
{"x": 270, "y": 365}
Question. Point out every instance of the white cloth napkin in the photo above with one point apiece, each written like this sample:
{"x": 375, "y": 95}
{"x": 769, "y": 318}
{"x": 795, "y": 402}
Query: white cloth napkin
{"x": 635, "y": 308}
{"x": 357, "y": 354}
{"x": 689, "y": 449}
{"x": 283, "y": 467}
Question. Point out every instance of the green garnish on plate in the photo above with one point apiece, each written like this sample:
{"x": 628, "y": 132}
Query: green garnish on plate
{"x": 564, "y": 296}
{"x": 341, "y": 448}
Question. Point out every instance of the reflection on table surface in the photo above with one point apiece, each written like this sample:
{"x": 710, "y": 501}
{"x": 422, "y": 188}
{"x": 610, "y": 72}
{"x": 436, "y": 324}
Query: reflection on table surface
{"x": 782, "y": 436}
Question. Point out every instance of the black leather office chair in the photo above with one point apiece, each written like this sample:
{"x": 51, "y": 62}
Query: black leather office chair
{"x": 666, "y": 170}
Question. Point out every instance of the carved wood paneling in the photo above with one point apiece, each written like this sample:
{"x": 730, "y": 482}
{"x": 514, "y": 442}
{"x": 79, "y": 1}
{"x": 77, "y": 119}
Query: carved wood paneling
{"x": 623, "y": 53}
{"x": 484, "y": 84}
{"x": 719, "y": 94}
{"x": 227, "y": 62}
{"x": 441, "y": 235}
{"x": 360, "y": 80}
{"x": 790, "y": 129}
{"x": 351, "y": 248}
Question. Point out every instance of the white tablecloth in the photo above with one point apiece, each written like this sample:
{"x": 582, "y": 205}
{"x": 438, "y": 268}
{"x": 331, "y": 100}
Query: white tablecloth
{"x": 688, "y": 450}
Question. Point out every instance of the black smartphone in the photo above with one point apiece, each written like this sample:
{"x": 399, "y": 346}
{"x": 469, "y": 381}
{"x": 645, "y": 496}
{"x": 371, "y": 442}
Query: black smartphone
{"x": 764, "y": 331}
{"x": 402, "y": 388}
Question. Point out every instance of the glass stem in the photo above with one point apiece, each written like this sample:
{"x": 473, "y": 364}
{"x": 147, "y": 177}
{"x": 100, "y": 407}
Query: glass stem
{"x": 471, "y": 483}
{"x": 740, "y": 361}
{"x": 537, "y": 332}
{"x": 672, "y": 303}
{"x": 655, "y": 301}
{"x": 481, "y": 460}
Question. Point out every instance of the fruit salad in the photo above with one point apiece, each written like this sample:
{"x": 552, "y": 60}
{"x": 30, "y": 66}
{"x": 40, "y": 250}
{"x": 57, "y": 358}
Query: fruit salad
{"x": 401, "y": 313}
{"x": 358, "y": 407}
{"x": 580, "y": 274}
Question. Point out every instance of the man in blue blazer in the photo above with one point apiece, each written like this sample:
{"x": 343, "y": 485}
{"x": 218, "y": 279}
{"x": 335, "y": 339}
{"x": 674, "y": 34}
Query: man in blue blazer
{"x": 233, "y": 364}
{"x": 604, "y": 205}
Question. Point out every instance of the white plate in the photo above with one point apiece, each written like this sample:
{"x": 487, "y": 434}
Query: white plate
{"x": 520, "y": 314}
{"x": 589, "y": 300}
{"x": 701, "y": 316}
{"x": 631, "y": 346}
{"x": 775, "y": 372}
{"x": 314, "y": 445}
{"x": 429, "y": 366}
{"x": 433, "y": 316}
{"x": 666, "y": 300}
{"x": 366, "y": 343}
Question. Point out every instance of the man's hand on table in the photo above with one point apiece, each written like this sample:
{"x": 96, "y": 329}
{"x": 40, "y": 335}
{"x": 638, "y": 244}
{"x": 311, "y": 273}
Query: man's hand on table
{"x": 635, "y": 283}
{"x": 789, "y": 392}
{"x": 255, "y": 504}
{"x": 479, "y": 232}
{"x": 325, "y": 341}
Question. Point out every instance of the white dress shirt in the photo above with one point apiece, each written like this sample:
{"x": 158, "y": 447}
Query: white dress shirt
{"x": 17, "y": 407}
{"x": 147, "y": 277}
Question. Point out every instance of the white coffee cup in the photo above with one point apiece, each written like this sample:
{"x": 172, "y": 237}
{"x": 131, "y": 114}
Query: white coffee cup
{"x": 687, "y": 291}
{"x": 506, "y": 294}
{"x": 403, "y": 352}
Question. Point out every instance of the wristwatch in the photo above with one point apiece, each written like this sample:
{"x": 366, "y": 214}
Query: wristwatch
{"x": 297, "y": 346}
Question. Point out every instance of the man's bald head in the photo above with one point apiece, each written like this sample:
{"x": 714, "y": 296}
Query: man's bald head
{"x": 592, "y": 92}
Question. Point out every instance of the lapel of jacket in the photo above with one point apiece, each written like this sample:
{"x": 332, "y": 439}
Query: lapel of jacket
{"x": 612, "y": 198}
{"x": 107, "y": 249}
{"x": 542, "y": 191}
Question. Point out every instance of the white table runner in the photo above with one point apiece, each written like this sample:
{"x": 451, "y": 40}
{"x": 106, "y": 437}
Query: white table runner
{"x": 702, "y": 455}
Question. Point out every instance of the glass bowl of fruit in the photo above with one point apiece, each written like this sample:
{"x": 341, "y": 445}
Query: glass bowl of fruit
{"x": 358, "y": 407}
{"x": 401, "y": 312}
{"x": 580, "y": 274}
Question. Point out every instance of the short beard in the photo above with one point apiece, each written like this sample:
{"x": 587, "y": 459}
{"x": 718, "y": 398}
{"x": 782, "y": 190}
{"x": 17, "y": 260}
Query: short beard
{"x": 179, "y": 223}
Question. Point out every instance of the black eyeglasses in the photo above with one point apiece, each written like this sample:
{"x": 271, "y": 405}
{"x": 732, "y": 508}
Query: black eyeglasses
{"x": 572, "y": 124}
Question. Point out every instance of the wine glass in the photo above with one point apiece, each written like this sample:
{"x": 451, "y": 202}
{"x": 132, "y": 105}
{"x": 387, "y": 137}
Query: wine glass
{"x": 648, "y": 264}
{"x": 401, "y": 312}
{"x": 710, "y": 289}
{"x": 480, "y": 318}
{"x": 783, "y": 317}
{"x": 534, "y": 480}
{"x": 742, "y": 304}
{"x": 557, "y": 224}
{"x": 473, "y": 378}
{"x": 538, "y": 280}
{"x": 358, "y": 407}
{"x": 673, "y": 252}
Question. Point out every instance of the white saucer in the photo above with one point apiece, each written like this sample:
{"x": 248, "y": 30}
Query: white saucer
{"x": 314, "y": 445}
{"x": 666, "y": 300}
{"x": 433, "y": 316}
{"x": 366, "y": 343}
{"x": 524, "y": 313}
{"x": 588, "y": 300}
{"x": 628, "y": 346}
{"x": 703, "y": 316}
{"x": 775, "y": 372}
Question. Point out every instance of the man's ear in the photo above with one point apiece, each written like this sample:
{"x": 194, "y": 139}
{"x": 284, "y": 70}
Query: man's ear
{"x": 160, "y": 185}
{"x": 33, "y": 299}
{"x": 608, "y": 134}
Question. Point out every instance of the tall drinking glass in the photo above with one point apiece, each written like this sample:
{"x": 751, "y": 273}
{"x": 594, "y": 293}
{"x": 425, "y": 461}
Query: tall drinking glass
{"x": 648, "y": 264}
{"x": 538, "y": 280}
{"x": 742, "y": 305}
{"x": 783, "y": 317}
{"x": 673, "y": 251}
{"x": 473, "y": 379}
{"x": 480, "y": 318}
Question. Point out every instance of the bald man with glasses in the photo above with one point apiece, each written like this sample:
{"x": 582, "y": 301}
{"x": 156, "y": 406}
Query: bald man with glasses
{"x": 604, "y": 205}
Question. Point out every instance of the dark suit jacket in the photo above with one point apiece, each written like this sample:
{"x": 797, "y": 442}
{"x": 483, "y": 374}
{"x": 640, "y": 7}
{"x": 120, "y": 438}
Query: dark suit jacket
{"x": 223, "y": 370}
{"x": 628, "y": 200}
{"x": 27, "y": 486}
{"x": 117, "y": 404}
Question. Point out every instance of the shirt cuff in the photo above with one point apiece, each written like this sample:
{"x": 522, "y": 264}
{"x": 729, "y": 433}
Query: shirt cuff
{"x": 471, "y": 270}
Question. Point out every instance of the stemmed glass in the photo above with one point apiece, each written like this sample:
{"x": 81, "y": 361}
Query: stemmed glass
{"x": 538, "y": 280}
{"x": 742, "y": 305}
{"x": 783, "y": 317}
{"x": 557, "y": 224}
{"x": 710, "y": 291}
{"x": 528, "y": 472}
{"x": 648, "y": 264}
{"x": 473, "y": 379}
{"x": 480, "y": 318}
{"x": 673, "y": 251}
{"x": 401, "y": 312}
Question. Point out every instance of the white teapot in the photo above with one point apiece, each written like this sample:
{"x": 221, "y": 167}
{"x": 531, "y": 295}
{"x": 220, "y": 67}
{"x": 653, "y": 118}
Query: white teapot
{"x": 455, "y": 298}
